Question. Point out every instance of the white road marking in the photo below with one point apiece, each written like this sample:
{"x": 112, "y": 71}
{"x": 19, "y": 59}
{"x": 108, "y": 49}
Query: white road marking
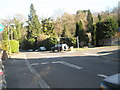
{"x": 35, "y": 64}
{"x": 56, "y": 62}
{"x": 45, "y": 63}
{"x": 91, "y": 54}
{"x": 70, "y": 65}
{"x": 102, "y": 75}
{"x": 40, "y": 80}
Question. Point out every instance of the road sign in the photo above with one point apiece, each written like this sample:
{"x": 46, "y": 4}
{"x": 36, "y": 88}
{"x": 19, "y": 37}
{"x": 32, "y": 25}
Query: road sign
{"x": 1, "y": 27}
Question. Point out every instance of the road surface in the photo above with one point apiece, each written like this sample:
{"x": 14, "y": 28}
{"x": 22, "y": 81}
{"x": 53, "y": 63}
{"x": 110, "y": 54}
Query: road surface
{"x": 76, "y": 69}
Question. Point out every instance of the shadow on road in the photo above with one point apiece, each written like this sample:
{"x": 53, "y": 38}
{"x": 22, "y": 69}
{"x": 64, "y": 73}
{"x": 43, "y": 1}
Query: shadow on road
{"x": 19, "y": 76}
{"x": 114, "y": 55}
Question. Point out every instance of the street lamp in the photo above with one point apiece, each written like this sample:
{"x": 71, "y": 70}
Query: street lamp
{"x": 9, "y": 47}
{"x": 58, "y": 43}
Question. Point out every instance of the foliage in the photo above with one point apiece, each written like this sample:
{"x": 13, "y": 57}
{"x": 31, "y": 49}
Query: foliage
{"x": 99, "y": 17}
{"x": 90, "y": 21}
{"x": 93, "y": 35}
{"x": 49, "y": 42}
{"x": 31, "y": 42}
{"x": 33, "y": 23}
{"x": 69, "y": 41}
{"x": 48, "y": 26}
{"x": 17, "y": 29}
{"x": 106, "y": 29}
{"x": 80, "y": 33}
{"x": 5, "y": 35}
{"x": 64, "y": 33}
{"x": 14, "y": 46}
{"x": 5, "y": 45}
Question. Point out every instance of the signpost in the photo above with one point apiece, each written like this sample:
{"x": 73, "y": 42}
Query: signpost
{"x": 1, "y": 27}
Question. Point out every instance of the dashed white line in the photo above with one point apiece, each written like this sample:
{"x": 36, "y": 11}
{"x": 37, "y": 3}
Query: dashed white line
{"x": 102, "y": 75}
{"x": 68, "y": 64}
{"x": 71, "y": 65}
{"x": 45, "y": 63}
{"x": 40, "y": 80}
{"x": 35, "y": 64}
{"x": 56, "y": 62}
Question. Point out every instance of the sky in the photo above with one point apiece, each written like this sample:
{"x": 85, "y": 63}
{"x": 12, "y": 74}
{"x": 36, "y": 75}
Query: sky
{"x": 48, "y": 8}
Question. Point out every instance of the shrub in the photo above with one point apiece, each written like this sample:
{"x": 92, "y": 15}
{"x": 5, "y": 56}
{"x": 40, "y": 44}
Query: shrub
{"x": 49, "y": 42}
{"x": 14, "y": 46}
{"x": 5, "y": 45}
{"x": 31, "y": 42}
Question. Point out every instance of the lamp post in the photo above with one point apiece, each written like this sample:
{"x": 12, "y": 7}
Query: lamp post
{"x": 58, "y": 43}
{"x": 9, "y": 48}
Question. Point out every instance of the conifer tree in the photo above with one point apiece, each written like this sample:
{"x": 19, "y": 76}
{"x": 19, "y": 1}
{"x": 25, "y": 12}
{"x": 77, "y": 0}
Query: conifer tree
{"x": 64, "y": 33}
{"x": 33, "y": 23}
{"x": 90, "y": 21}
{"x": 99, "y": 17}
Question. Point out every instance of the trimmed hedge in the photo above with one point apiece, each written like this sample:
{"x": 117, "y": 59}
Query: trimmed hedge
{"x": 14, "y": 46}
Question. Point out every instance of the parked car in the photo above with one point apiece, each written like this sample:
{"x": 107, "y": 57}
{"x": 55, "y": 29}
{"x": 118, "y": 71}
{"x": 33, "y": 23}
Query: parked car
{"x": 111, "y": 82}
{"x": 60, "y": 47}
{"x": 30, "y": 50}
{"x": 42, "y": 49}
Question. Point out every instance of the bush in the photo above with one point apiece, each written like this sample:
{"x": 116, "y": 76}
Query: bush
{"x": 14, "y": 46}
{"x": 31, "y": 42}
{"x": 48, "y": 43}
{"x": 5, "y": 45}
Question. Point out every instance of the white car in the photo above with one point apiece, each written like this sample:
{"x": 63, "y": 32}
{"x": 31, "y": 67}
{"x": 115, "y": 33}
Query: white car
{"x": 60, "y": 47}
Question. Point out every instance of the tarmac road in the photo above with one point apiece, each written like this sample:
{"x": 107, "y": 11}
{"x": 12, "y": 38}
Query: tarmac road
{"x": 78, "y": 69}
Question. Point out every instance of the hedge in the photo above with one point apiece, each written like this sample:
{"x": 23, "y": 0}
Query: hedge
{"x": 14, "y": 46}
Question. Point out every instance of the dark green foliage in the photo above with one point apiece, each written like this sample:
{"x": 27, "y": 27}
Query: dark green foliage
{"x": 48, "y": 26}
{"x": 31, "y": 42}
{"x": 77, "y": 30}
{"x": 16, "y": 30}
{"x": 33, "y": 23}
{"x": 24, "y": 44}
{"x": 64, "y": 33}
{"x": 69, "y": 41}
{"x": 80, "y": 33}
{"x": 90, "y": 21}
{"x": 99, "y": 17}
{"x": 106, "y": 29}
{"x": 93, "y": 35}
{"x": 119, "y": 23}
{"x": 14, "y": 46}
{"x": 49, "y": 42}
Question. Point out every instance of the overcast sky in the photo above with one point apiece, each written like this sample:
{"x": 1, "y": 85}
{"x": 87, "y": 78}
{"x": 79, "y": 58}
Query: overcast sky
{"x": 47, "y": 8}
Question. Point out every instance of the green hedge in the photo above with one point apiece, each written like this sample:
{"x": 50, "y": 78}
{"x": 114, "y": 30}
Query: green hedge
{"x": 14, "y": 46}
